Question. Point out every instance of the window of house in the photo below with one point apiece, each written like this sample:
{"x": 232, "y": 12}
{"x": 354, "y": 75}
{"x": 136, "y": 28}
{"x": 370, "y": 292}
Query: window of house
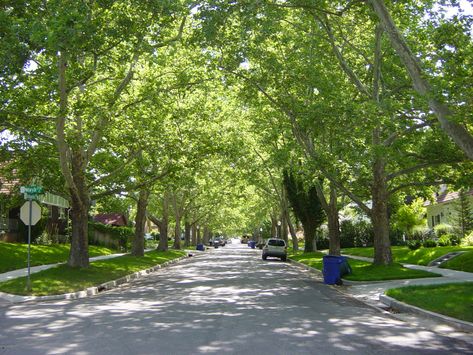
{"x": 437, "y": 219}
{"x": 433, "y": 221}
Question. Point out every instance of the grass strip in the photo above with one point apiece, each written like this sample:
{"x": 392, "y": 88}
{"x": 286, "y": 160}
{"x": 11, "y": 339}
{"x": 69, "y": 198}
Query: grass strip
{"x": 463, "y": 262}
{"x": 13, "y": 256}
{"x": 404, "y": 255}
{"x": 365, "y": 271}
{"x": 453, "y": 300}
{"x": 64, "y": 279}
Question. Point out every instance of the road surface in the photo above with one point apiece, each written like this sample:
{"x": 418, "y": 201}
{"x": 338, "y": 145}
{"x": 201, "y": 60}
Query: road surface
{"x": 225, "y": 301}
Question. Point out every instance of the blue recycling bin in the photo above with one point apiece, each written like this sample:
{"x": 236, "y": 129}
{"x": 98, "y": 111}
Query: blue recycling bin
{"x": 252, "y": 244}
{"x": 333, "y": 266}
{"x": 200, "y": 247}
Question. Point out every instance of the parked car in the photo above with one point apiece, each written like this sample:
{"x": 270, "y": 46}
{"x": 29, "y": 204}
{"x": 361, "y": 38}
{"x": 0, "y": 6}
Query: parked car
{"x": 275, "y": 248}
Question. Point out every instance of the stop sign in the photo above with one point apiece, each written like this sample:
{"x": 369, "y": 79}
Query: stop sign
{"x": 35, "y": 213}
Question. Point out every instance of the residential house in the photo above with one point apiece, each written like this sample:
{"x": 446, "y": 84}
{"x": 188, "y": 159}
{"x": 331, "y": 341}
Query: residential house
{"x": 442, "y": 209}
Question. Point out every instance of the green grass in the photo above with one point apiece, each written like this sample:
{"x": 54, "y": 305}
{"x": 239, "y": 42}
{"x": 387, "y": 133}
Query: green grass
{"x": 404, "y": 255}
{"x": 13, "y": 256}
{"x": 365, "y": 271}
{"x": 454, "y": 300}
{"x": 64, "y": 279}
{"x": 463, "y": 262}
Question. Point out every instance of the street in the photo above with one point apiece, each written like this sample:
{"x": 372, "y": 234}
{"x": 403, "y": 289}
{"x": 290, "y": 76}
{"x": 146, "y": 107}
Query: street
{"x": 225, "y": 301}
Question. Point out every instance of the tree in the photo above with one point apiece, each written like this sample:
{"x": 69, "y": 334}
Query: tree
{"x": 306, "y": 206}
{"x": 463, "y": 218}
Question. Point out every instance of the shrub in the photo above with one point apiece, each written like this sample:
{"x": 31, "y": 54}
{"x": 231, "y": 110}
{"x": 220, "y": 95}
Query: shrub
{"x": 468, "y": 240}
{"x": 356, "y": 234}
{"x": 429, "y": 243}
{"x": 448, "y": 239}
{"x": 414, "y": 244}
{"x": 442, "y": 229}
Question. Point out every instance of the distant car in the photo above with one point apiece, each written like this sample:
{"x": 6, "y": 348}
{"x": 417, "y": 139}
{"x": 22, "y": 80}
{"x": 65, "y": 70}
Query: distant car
{"x": 275, "y": 248}
{"x": 217, "y": 242}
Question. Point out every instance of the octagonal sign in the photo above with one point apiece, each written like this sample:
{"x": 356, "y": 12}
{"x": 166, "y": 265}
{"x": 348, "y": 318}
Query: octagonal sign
{"x": 35, "y": 213}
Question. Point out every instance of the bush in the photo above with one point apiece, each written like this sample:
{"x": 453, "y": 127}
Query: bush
{"x": 468, "y": 240}
{"x": 356, "y": 234}
{"x": 442, "y": 229}
{"x": 429, "y": 243}
{"x": 448, "y": 239}
{"x": 414, "y": 244}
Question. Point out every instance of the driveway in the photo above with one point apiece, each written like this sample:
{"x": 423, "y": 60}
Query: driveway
{"x": 225, "y": 301}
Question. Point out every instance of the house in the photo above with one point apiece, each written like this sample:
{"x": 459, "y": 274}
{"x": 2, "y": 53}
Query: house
{"x": 442, "y": 209}
{"x": 112, "y": 219}
{"x": 11, "y": 227}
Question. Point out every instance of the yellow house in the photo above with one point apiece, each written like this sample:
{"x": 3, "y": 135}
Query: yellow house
{"x": 442, "y": 210}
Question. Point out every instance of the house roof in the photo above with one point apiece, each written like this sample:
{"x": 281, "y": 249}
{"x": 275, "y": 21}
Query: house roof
{"x": 113, "y": 219}
{"x": 447, "y": 197}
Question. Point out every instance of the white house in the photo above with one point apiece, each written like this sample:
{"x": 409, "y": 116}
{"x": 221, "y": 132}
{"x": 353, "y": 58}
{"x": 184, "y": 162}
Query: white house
{"x": 442, "y": 210}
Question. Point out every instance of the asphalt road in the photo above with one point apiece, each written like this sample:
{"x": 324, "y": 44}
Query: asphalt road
{"x": 225, "y": 301}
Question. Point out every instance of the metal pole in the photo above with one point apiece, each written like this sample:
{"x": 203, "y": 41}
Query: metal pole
{"x": 28, "y": 280}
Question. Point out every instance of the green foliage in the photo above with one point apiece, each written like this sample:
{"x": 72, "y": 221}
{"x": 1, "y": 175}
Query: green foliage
{"x": 121, "y": 234}
{"x": 442, "y": 229}
{"x": 468, "y": 240}
{"x": 409, "y": 216}
{"x": 429, "y": 243}
{"x": 356, "y": 234}
{"x": 463, "y": 217}
{"x": 414, "y": 244}
{"x": 453, "y": 300}
{"x": 448, "y": 239}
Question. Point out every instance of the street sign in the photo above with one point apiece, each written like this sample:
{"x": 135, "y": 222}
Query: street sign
{"x": 31, "y": 192}
{"x": 35, "y": 213}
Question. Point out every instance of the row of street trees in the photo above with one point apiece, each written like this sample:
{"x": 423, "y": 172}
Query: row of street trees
{"x": 220, "y": 114}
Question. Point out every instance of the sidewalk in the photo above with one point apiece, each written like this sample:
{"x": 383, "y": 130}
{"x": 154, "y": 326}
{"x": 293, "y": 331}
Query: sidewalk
{"x": 372, "y": 293}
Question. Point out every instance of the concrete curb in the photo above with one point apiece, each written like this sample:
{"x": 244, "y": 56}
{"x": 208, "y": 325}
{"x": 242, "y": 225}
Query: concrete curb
{"x": 91, "y": 291}
{"x": 306, "y": 267}
{"x": 461, "y": 325}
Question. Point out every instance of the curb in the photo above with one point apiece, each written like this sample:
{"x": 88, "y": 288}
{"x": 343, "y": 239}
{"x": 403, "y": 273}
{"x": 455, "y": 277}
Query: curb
{"x": 306, "y": 267}
{"x": 91, "y": 291}
{"x": 461, "y": 325}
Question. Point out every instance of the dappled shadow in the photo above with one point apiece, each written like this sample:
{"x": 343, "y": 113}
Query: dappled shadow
{"x": 228, "y": 301}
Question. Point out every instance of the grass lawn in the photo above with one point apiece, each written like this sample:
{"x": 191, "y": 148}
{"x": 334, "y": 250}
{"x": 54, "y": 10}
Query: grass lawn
{"x": 64, "y": 279}
{"x": 13, "y": 256}
{"x": 463, "y": 262}
{"x": 404, "y": 255}
{"x": 365, "y": 271}
{"x": 454, "y": 300}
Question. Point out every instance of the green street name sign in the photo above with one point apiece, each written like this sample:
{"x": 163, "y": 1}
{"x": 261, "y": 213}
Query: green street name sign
{"x": 31, "y": 191}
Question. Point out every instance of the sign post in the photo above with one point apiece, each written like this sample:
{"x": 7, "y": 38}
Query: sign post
{"x": 30, "y": 214}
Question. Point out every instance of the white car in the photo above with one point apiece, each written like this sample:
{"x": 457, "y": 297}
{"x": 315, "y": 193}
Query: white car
{"x": 275, "y": 248}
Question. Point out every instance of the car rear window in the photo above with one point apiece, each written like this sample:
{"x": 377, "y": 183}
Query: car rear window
{"x": 276, "y": 242}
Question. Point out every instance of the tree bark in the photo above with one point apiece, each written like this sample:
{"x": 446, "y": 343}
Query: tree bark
{"x": 206, "y": 235}
{"x": 379, "y": 214}
{"x": 177, "y": 233}
{"x": 194, "y": 234}
{"x": 309, "y": 238}
{"x": 79, "y": 253}
{"x": 187, "y": 234}
{"x": 199, "y": 239}
{"x": 333, "y": 223}
{"x": 295, "y": 241}
{"x": 459, "y": 134}
{"x": 138, "y": 247}
{"x": 163, "y": 228}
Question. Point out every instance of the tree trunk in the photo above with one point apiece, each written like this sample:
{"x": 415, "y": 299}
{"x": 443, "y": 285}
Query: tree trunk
{"x": 177, "y": 233}
{"x": 199, "y": 238}
{"x": 456, "y": 131}
{"x": 295, "y": 241}
{"x": 333, "y": 223}
{"x": 194, "y": 234}
{"x": 187, "y": 234}
{"x": 379, "y": 214}
{"x": 163, "y": 228}
{"x": 138, "y": 247}
{"x": 309, "y": 238}
{"x": 284, "y": 228}
{"x": 79, "y": 252}
{"x": 206, "y": 235}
